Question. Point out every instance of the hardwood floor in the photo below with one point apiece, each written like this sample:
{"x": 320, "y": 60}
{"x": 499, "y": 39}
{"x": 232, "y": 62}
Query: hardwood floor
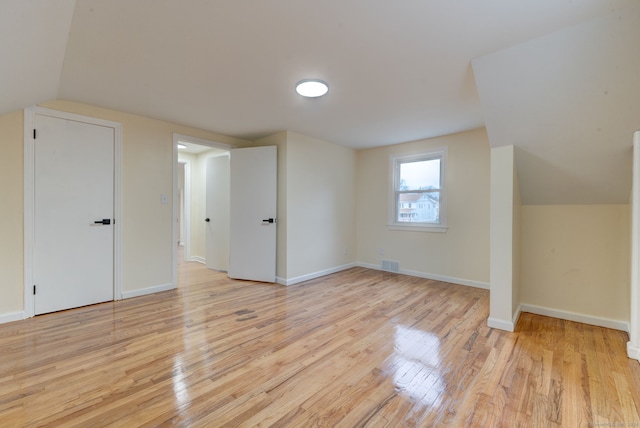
{"x": 357, "y": 348}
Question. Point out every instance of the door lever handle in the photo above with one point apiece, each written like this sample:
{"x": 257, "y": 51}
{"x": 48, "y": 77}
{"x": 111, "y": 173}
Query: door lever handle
{"x": 207, "y": 219}
{"x": 103, "y": 221}
{"x": 269, "y": 220}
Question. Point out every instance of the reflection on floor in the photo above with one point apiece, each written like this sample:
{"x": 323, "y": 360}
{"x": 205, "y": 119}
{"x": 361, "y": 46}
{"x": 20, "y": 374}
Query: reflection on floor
{"x": 355, "y": 348}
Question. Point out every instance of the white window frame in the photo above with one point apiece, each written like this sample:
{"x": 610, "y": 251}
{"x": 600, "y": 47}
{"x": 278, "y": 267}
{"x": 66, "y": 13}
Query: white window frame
{"x": 394, "y": 181}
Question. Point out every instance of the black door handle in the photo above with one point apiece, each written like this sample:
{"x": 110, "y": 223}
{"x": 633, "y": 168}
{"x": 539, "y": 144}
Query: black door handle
{"x": 269, "y": 220}
{"x": 207, "y": 219}
{"x": 103, "y": 221}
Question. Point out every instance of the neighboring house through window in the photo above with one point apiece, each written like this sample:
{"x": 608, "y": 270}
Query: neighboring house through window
{"x": 418, "y": 192}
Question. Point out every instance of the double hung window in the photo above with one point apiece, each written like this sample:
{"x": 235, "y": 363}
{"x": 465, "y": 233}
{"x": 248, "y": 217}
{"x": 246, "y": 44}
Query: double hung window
{"x": 418, "y": 192}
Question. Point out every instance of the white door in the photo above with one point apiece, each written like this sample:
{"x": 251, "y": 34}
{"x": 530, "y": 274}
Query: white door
{"x": 252, "y": 253}
{"x": 217, "y": 213}
{"x": 73, "y": 255}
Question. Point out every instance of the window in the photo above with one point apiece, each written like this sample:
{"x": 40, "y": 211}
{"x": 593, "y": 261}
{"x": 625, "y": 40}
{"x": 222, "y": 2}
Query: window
{"x": 418, "y": 192}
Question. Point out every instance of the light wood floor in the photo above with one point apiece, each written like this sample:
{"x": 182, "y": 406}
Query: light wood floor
{"x": 357, "y": 348}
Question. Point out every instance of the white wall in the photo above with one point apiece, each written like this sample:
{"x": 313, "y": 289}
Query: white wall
{"x": 459, "y": 255}
{"x": 503, "y": 302}
{"x": 516, "y": 246}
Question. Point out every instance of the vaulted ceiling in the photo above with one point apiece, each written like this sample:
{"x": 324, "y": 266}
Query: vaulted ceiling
{"x": 559, "y": 79}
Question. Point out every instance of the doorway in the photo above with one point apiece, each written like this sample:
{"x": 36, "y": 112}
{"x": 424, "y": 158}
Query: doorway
{"x": 191, "y": 156}
{"x": 71, "y": 210}
{"x": 248, "y": 250}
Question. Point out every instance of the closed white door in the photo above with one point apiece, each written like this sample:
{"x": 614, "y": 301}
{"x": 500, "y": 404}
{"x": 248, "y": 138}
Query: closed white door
{"x": 217, "y": 213}
{"x": 252, "y": 253}
{"x": 73, "y": 254}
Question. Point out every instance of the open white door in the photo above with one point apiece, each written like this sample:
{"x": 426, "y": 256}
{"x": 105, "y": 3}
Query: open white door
{"x": 73, "y": 255}
{"x": 217, "y": 213}
{"x": 253, "y": 201}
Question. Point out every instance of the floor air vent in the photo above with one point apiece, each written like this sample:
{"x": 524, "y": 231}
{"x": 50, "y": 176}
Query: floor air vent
{"x": 390, "y": 266}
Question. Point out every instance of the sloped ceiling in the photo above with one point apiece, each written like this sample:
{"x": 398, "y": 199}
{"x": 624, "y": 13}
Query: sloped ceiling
{"x": 33, "y": 39}
{"x": 569, "y": 101}
{"x": 398, "y": 71}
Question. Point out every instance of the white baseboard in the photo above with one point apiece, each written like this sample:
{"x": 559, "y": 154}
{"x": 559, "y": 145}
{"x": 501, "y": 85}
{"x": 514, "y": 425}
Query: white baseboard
{"x": 505, "y": 325}
{"x": 198, "y": 259}
{"x": 516, "y": 316}
{"x": 147, "y": 290}
{"x": 501, "y": 324}
{"x": 572, "y": 316}
{"x": 633, "y": 352}
{"x": 314, "y": 275}
{"x": 435, "y": 277}
{"x": 11, "y": 316}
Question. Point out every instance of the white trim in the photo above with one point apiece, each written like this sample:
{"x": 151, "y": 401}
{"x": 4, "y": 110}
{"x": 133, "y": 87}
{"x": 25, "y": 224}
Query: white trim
{"x": 11, "y": 316}
{"x": 634, "y": 286}
{"x": 197, "y": 259}
{"x": 175, "y": 210}
{"x": 509, "y": 326}
{"x": 117, "y": 208}
{"x": 501, "y": 324}
{"x": 516, "y": 316}
{"x": 29, "y": 207}
{"x": 314, "y": 275}
{"x": 147, "y": 290}
{"x": 435, "y": 277}
{"x": 633, "y": 352}
{"x": 186, "y": 239}
{"x": 392, "y": 220}
{"x": 29, "y": 195}
{"x": 201, "y": 142}
{"x": 187, "y": 254}
{"x": 413, "y": 228}
{"x": 572, "y": 316}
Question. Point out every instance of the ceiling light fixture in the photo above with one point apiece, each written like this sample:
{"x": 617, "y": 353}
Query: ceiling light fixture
{"x": 312, "y": 88}
{"x": 181, "y": 146}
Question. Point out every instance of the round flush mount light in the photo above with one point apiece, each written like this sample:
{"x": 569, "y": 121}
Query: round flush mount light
{"x": 312, "y": 88}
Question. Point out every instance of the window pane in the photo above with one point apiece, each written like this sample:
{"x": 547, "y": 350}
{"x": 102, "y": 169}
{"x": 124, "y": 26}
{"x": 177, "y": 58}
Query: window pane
{"x": 419, "y": 207}
{"x": 421, "y": 175}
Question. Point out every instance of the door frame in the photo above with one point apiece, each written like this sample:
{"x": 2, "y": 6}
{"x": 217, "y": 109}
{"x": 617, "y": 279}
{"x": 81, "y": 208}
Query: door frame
{"x": 186, "y": 209}
{"x": 187, "y": 241}
{"x": 29, "y": 198}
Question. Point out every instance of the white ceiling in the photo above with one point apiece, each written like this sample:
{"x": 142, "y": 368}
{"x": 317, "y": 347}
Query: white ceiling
{"x": 398, "y": 71}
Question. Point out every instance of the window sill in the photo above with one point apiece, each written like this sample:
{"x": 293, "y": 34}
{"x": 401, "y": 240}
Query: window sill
{"x": 416, "y": 228}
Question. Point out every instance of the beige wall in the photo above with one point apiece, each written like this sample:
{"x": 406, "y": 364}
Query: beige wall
{"x": 147, "y": 173}
{"x": 573, "y": 258}
{"x": 316, "y": 210}
{"x": 11, "y": 201}
{"x": 576, "y": 258}
{"x": 462, "y": 252}
{"x": 320, "y": 209}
